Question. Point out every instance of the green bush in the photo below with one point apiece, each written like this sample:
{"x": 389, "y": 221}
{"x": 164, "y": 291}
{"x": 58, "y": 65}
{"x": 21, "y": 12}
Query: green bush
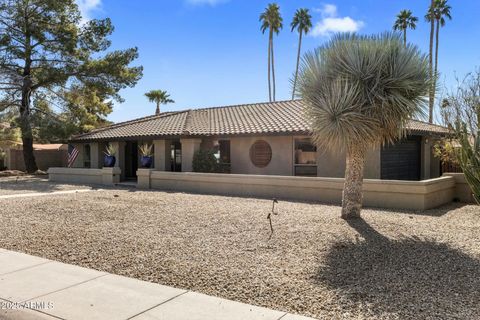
{"x": 205, "y": 161}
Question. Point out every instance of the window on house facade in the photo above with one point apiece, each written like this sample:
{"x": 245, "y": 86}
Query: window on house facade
{"x": 260, "y": 153}
{"x": 87, "y": 157}
{"x": 305, "y": 158}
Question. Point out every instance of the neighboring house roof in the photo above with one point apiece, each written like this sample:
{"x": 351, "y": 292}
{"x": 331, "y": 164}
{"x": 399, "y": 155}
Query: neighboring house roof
{"x": 283, "y": 117}
{"x": 52, "y": 146}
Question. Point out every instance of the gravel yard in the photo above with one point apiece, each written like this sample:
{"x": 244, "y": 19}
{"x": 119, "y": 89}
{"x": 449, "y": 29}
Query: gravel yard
{"x": 391, "y": 265}
{"x": 32, "y": 184}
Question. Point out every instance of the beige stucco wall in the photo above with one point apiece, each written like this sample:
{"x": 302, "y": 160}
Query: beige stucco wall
{"x": 415, "y": 195}
{"x": 104, "y": 176}
{"x": 329, "y": 164}
{"x": 463, "y": 192}
{"x": 332, "y": 164}
{"x": 282, "y": 155}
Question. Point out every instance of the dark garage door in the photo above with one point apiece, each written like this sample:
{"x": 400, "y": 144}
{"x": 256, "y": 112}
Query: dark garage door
{"x": 401, "y": 161}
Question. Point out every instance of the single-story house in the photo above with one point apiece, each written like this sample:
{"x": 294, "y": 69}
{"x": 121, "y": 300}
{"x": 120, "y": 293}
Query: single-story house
{"x": 260, "y": 138}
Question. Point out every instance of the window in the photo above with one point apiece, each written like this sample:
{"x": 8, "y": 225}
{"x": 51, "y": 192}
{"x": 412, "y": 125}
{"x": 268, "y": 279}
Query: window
{"x": 260, "y": 153}
{"x": 87, "y": 162}
{"x": 305, "y": 158}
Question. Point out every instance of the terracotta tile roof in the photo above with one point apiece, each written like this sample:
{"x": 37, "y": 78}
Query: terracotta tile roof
{"x": 420, "y": 126}
{"x": 259, "y": 118}
{"x": 166, "y": 124}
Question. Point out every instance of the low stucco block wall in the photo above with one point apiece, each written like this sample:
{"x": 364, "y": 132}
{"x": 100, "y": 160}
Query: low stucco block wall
{"x": 105, "y": 176}
{"x": 463, "y": 192}
{"x": 416, "y": 195}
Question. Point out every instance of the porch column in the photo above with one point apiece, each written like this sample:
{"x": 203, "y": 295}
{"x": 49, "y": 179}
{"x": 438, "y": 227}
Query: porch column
{"x": 161, "y": 151}
{"x": 425, "y": 158}
{"x": 120, "y": 156}
{"x": 189, "y": 147}
{"x": 78, "y": 163}
{"x": 94, "y": 155}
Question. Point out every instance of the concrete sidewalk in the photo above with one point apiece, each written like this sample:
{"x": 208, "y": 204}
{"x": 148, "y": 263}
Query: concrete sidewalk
{"x": 61, "y": 291}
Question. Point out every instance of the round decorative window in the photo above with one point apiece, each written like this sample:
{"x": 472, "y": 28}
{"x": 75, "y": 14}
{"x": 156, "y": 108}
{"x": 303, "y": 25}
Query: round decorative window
{"x": 260, "y": 153}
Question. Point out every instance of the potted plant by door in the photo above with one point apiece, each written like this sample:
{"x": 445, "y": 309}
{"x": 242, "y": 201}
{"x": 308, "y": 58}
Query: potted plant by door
{"x": 146, "y": 154}
{"x": 109, "y": 159}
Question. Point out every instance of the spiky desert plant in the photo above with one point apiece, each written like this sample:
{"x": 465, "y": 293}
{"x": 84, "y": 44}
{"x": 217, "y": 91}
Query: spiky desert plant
{"x": 110, "y": 150}
{"x": 146, "y": 150}
{"x": 469, "y": 157}
{"x": 461, "y": 113}
{"x": 359, "y": 92}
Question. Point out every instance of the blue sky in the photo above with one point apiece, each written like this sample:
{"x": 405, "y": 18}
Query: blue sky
{"x": 211, "y": 52}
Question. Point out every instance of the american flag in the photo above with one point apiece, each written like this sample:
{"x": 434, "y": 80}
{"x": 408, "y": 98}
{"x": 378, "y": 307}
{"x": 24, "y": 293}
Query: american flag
{"x": 72, "y": 155}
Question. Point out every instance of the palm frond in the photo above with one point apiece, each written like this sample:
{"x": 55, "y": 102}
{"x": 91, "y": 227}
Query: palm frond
{"x": 361, "y": 90}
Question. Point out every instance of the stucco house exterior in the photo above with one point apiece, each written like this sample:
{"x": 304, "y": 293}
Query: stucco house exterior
{"x": 258, "y": 139}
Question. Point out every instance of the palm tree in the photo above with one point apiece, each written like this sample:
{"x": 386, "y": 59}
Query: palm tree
{"x": 271, "y": 20}
{"x": 405, "y": 20}
{"x": 441, "y": 10}
{"x": 159, "y": 97}
{"x": 359, "y": 92}
{"x": 431, "y": 98}
{"x": 302, "y": 21}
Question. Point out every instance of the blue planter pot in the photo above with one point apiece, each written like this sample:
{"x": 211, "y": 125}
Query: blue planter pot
{"x": 146, "y": 162}
{"x": 109, "y": 161}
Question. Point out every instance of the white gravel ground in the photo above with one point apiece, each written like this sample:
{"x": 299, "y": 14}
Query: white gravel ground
{"x": 391, "y": 265}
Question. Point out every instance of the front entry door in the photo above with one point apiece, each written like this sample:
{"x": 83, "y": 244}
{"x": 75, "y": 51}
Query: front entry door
{"x": 176, "y": 156}
{"x": 131, "y": 160}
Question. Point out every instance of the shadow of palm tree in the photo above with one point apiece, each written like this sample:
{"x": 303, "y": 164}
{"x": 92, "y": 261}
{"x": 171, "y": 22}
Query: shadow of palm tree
{"x": 407, "y": 278}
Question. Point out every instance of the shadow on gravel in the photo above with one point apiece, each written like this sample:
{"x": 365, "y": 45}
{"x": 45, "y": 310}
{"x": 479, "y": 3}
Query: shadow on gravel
{"x": 14, "y": 185}
{"x": 408, "y": 278}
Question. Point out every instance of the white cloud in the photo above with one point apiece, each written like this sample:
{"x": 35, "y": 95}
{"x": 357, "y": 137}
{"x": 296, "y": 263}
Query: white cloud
{"x": 332, "y": 23}
{"x": 211, "y": 3}
{"x": 87, "y": 8}
{"x": 328, "y": 10}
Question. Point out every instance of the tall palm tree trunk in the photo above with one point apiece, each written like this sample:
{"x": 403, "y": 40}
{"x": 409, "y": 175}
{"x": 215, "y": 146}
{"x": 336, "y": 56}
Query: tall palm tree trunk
{"x": 405, "y": 38}
{"x": 269, "y": 66}
{"x": 430, "y": 60}
{"x": 273, "y": 69}
{"x": 157, "y": 112}
{"x": 435, "y": 73}
{"x": 352, "y": 190}
{"x": 298, "y": 63}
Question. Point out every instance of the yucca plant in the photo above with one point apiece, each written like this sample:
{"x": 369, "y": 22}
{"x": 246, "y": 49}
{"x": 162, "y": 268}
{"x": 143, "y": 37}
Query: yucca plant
{"x": 359, "y": 92}
{"x": 110, "y": 150}
{"x": 109, "y": 159}
{"x": 146, "y": 150}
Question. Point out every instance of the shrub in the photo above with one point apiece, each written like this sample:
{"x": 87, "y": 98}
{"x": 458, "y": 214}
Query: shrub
{"x": 205, "y": 161}
{"x": 110, "y": 150}
{"x": 146, "y": 150}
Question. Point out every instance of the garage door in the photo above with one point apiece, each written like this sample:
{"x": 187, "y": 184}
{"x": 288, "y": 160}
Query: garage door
{"x": 401, "y": 161}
